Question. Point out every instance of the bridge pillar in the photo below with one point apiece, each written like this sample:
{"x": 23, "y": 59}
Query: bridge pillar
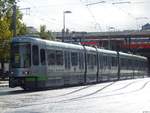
{"x": 148, "y": 66}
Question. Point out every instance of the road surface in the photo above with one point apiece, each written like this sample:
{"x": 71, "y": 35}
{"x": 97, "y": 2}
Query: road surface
{"x": 128, "y": 96}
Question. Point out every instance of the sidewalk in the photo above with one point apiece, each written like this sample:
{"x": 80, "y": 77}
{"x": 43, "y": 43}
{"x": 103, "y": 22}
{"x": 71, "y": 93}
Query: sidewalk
{"x": 4, "y": 84}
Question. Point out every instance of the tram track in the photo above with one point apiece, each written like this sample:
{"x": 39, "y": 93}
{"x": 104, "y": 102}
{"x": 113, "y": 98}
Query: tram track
{"x": 93, "y": 93}
{"x": 84, "y": 97}
{"x": 54, "y": 102}
{"x": 65, "y": 94}
{"x": 75, "y": 91}
{"x": 106, "y": 95}
{"x": 101, "y": 89}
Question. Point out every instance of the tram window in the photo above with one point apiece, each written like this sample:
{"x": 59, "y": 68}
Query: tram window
{"x": 142, "y": 64}
{"x": 59, "y": 57}
{"x": 122, "y": 62}
{"x": 81, "y": 61}
{"x": 35, "y": 55}
{"x": 51, "y": 57}
{"x": 74, "y": 58}
{"x": 109, "y": 62}
{"x": 88, "y": 59}
{"x": 126, "y": 63}
{"x": 116, "y": 61}
{"x": 20, "y": 55}
{"x": 66, "y": 59}
{"x": 105, "y": 60}
{"x": 129, "y": 63}
{"x": 134, "y": 64}
{"x": 42, "y": 54}
{"x": 101, "y": 61}
{"x": 91, "y": 60}
{"x": 27, "y": 55}
{"x": 113, "y": 61}
{"x": 94, "y": 60}
{"x": 69, "y": 58}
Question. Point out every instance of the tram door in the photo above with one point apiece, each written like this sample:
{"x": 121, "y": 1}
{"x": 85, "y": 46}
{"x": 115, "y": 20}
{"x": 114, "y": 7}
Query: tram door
{"x": 35, "y": 60}
{"x": 43, "y": 66}
{"x": 38, "y": 64}
{"x": 91, "y": 67}
{"x": 100, "y": 67}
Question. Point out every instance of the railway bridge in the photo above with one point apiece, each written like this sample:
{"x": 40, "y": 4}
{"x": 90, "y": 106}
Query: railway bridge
{"x": 137, "y": 42}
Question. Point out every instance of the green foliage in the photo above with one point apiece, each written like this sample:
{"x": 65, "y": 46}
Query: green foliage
{"x": 6, "y": 29}
{"x": 5, "y": 36}
{"x": 22, "y": 29}
{"x": 6, "y": 11}
{"x": 46, "y": 34}
{"x": 6, "y": 8}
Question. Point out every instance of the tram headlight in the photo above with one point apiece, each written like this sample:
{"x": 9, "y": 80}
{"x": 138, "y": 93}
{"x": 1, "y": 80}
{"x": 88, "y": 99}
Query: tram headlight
{"x": 11, "y": 72}
{"x": 26, "y": 72}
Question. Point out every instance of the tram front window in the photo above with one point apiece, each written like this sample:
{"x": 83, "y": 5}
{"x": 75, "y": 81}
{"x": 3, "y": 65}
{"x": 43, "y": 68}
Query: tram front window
{"x": 20, "y": 55}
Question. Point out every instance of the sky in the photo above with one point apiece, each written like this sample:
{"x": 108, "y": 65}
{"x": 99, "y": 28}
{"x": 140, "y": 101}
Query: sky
{"x": 106, "y": 15}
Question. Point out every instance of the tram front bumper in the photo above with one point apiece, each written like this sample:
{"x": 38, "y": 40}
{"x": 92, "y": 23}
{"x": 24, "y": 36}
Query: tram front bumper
{"x": 14, "y": 82}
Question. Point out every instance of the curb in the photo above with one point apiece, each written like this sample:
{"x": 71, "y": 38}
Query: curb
{"x": 4, "y": 85}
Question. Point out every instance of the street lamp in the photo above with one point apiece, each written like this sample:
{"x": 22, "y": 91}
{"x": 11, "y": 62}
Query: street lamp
{"x": 109, "y": 37}
{"x": 64, "y": 27}
{"x": 14, "y": 19}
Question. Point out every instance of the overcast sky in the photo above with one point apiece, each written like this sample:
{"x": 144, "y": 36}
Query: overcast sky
{"x": 119, "y": 14}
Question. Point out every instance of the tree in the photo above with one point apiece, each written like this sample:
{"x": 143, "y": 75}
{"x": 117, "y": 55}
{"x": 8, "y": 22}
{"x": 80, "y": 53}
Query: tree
{"x": 22, "y": 29}
{"x": 46, "y": 34}
{"x": 5, "y": 35}
{"x": 6, "y": 11}
{"x": 6, "y": 28}
{"x": 6, "y": 8}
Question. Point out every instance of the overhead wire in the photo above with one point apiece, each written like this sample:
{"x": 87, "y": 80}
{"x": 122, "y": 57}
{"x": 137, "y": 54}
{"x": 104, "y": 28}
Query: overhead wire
{"x": 124, "y": 11}
{"x": 35, "y": 8}
{"x": 87, "y": 4}
{"x": 92, "y": 15}
{"x": 115, "y": 3}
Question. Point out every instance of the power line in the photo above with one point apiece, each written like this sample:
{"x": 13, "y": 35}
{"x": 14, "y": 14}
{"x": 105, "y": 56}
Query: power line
{"x": 99, "y": 27}
{"x": 26, "y": 9}
{"x": 93, "y": 16}
{"x": 126, "y": 12}
{"x": 38, "y": 16}
{"x": 127, "y": 2}
{"x": 95, "y": 3}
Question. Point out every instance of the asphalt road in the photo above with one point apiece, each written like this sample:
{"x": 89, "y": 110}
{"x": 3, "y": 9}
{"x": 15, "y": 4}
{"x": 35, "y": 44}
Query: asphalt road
{"x": 128, "y": 96}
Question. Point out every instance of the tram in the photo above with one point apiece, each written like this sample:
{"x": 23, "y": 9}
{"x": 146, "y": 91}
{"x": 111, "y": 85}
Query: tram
{"x": 36, "y": 64}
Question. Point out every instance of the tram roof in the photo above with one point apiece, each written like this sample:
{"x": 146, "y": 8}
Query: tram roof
{"x": 132, "y": 56}
{"x": 46, "y": 42}
{"x": 39, "y": 41}
{"x": 107, "y": 51}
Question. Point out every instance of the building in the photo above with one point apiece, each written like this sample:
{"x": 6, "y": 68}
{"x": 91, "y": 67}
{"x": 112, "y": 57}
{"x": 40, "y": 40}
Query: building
{"x": 146, "y": 27}
{"x": 32, "y": 30}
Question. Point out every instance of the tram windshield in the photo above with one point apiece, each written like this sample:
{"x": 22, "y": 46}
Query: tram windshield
{"x": 20, "y": 55}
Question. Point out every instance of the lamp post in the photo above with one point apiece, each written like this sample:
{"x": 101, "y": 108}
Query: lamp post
{"x": 64, "y": 27}
{"x": 109, "y": 37}
{"x": 14, "y": 19}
